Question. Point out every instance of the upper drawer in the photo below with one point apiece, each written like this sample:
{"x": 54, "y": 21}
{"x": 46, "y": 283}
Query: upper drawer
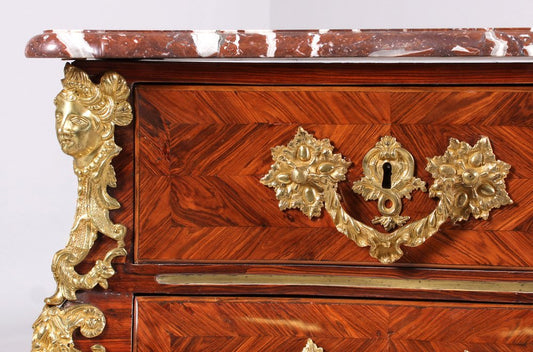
{"x": 202, "y": 150}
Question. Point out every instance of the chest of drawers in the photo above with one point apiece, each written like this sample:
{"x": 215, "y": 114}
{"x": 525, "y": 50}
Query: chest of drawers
{"x": 235, "y": 225}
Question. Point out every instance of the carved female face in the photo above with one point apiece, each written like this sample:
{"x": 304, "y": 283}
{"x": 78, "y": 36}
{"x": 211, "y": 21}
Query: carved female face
{"x": 77, "y": 129}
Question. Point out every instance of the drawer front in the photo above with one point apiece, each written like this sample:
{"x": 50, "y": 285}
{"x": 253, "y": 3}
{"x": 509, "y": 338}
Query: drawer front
{"x": 202, "y": 150}
{"x": 281, "y": 324}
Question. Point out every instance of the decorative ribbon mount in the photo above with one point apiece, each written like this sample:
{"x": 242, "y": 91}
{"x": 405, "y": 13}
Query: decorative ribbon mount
{"x": 468, "y": 180}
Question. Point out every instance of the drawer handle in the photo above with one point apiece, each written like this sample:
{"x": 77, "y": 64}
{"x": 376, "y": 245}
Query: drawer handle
{"x": 468, "y": 180}
{"x": 312, "y": 347}
{"x": 86, "y": 116}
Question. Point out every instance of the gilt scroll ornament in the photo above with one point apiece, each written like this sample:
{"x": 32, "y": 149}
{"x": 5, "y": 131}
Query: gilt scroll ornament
{"x": 468, "y": 180}
{"x": 54, "y": 328}
{"x": 86, "y": 116}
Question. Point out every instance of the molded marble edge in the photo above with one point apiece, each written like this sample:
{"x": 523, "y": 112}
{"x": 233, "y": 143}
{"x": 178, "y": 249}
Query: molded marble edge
{"x": 283, "y": 44}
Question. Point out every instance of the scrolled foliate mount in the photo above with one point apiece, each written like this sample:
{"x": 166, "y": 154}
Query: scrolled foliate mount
{"x": 54, "y": 328}
{"x": 468, "y": 180}
{"x": 86, "y": 116}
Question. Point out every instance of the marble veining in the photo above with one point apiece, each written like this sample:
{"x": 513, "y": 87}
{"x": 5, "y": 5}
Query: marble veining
{"x": 315, "y": 47}
{"x": 397, "y": 52}
{"x": 270, "y": 39}
{"x": 500, "y": 45}
{"x": 207, "y": 42}
{"x": 319, "y": 43}
{"x": 75, "y": 43}
{"x": 460, "y": 48}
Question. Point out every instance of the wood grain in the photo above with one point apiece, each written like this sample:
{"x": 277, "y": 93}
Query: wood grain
{"x": 314, "y": 73}
{"x": 468, "y": 106}
{"x": 282, "y": 324}
{"x": 424, "y": 346}
{"x": 202, "y": 151}
{"x": 142, "y": 279}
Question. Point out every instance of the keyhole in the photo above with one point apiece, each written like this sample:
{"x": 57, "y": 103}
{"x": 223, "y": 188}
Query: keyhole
{"x": 387, "y": 175}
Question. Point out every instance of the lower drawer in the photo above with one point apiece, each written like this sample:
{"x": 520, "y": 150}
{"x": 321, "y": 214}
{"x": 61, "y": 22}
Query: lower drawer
{"x": 284, "y": 324}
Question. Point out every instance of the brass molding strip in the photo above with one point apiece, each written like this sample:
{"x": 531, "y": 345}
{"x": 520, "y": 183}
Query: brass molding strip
{"x": 344, "y": 281}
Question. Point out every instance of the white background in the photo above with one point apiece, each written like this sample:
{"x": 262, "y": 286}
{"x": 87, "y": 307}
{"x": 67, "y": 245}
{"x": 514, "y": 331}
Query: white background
{"x": 37, "y": 185}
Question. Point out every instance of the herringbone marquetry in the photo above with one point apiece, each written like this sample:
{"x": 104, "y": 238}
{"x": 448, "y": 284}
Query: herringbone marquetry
{"x": 278, "y": 324}
{"x": 202, "y": 151}
{"x": 466, "y": 106}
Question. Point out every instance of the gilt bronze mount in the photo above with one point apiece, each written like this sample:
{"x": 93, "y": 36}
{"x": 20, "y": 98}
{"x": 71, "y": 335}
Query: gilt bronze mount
{"x": 468, "y": 180}
{"x": 312, "y": 347}
{"x": 86, "y": 116}
{"x": 389, "y": 171}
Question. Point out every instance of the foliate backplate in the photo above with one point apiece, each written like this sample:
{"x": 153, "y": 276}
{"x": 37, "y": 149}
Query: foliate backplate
{"x": 468, "y": 180}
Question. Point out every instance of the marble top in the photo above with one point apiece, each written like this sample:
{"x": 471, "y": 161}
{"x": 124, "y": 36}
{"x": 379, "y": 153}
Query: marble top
{"x": 282, "y": 44}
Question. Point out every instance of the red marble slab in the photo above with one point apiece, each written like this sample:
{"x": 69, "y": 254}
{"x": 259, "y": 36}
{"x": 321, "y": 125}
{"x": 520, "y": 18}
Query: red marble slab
{"x": 101, "y": 44}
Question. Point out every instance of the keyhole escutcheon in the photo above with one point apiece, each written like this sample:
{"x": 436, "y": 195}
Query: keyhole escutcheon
{"x": 387, "y": 176}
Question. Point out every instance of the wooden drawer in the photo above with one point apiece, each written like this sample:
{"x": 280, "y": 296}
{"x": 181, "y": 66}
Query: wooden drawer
{"x": 284, "y": 324}
{"x": 201, "y": 151}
